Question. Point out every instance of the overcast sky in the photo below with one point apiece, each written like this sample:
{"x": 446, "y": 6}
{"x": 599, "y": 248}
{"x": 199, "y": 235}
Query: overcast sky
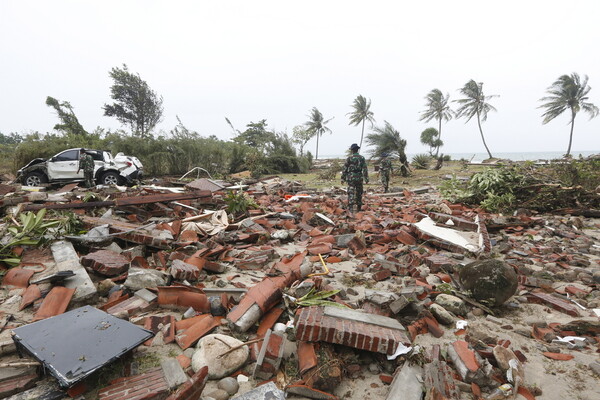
{"x": 275, "y": 60}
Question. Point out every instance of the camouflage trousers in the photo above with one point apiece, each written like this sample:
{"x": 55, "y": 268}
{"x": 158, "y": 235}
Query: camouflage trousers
{"x": 355, "y": 193}
{"x": 89, "y": 178}
{"x": 385, "y": 180}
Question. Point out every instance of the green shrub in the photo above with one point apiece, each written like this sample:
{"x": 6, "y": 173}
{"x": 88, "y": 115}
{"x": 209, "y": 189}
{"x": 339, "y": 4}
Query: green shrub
{"x": 421, "y": 161}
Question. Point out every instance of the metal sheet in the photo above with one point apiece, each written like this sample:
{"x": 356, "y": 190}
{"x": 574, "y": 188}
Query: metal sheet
{"x": 75, "y": 344}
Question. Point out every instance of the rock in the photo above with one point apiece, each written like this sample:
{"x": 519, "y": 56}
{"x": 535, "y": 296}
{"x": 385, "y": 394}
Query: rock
{"x": 595, "y": 366}
{"x": 478, "y": 312}
{"x": 219, "y": 394}
{"x": 596, "y": 276}
{"x": 105, "y": 286}
{"x": 503, "y": 356}
{"x": 229, "y": 384}
{"x": 374, "y": 368}
{"x": 343, "y": 240}
{"x": 491, "y": 281}
{"x": 452, "y": 304}
{"x": 212, "y": 346}
{"x": 441, "y": 314}
{"x": 140, "y": 278}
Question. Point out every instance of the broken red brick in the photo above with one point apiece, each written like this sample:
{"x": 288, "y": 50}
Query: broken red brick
{"x": 382, "y": 274}
{"x": 149, "y": 385}
{"x": 183, "y": 296}
{"x": 106, "y": 262}
{"x": 559, "y": 356}
{"x": 196, "y": 331}
{"x": 183, "y": 271}
{"x": 31, "y": 294}
{"x": 17, "y": 277}
{"x": 269, "y": 319}
{"x": 466, "y": 355}
{"x": 319, "y": 248}
{"x": 307, "y": 357}
{"x": 437, "y": 261}
{"x": 17, "y": 384}
{"x": 184, "y": 361}
{"x": 55, "y": 303}
{"x": 192, "y": 389}
{"x": 156, "y": 324}
{"x": 186, "y": 323}
{"x": 313, "y": 325}
{"x": 406, "y": 238}
{"x": 554, "y": 302}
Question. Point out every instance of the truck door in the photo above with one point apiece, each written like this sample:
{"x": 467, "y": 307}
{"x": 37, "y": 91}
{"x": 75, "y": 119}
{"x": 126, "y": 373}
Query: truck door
{"x": 64, "y": 166}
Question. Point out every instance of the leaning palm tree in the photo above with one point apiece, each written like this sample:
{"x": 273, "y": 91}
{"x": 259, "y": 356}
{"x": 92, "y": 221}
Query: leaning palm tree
{"x": 568, "y": 92}
{"x": 387, "y": 140}
{"x": 316, "y": 126}
{"x": 437, "y": 108}
{"x": 473, "y": 104}
{"x": 362, "y": 112}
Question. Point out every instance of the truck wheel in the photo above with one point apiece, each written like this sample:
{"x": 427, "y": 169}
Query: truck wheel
{"x": 111, "y": 178}
{"x": 35, "y": 179}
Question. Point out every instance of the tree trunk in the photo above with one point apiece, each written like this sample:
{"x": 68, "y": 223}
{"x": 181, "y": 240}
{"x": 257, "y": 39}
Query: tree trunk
{"x": 571, "y": 134}
{"x": 437, "y": 149}
{"x": 362, "y": 133}
{"x": 317, "y": 155}
{"x": 483, "y": 138}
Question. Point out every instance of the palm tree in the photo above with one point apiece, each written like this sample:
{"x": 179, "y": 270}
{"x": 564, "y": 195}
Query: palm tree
{"x": 387, "y": 140}
{"x": 362, "y": 112}
{"x": 568, "y": 92}
{"x": 316, "y": 126}
{"x": 437, "y": 108}
{"x": 475, "y": 104}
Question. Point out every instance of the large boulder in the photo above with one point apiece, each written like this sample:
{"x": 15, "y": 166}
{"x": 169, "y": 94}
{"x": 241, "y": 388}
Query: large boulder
{"x": 211, "y": 347}
{"x": 490, "y": 281}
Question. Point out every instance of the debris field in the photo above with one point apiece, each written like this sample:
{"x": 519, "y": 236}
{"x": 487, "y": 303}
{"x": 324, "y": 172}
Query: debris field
{"x": 164, "y": 294}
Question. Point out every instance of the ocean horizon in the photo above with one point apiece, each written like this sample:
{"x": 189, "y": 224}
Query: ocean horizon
{"x": 479, "y": 157}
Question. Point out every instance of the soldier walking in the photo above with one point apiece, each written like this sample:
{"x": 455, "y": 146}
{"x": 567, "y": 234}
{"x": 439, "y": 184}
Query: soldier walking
{"x": 385, "y": 169}
{"x": 86, "y": 162}
{"x": 355, "y": 170}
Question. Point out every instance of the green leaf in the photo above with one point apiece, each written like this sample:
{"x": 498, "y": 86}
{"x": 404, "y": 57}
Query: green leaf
{"x": 13, "y": 262}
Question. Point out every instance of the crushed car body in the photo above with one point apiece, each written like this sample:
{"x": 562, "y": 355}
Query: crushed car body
{"x": 64, "y": 168}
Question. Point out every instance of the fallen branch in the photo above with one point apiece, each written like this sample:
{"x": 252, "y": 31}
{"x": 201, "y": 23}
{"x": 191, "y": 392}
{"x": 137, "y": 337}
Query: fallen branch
{"x": 240, "y": 346}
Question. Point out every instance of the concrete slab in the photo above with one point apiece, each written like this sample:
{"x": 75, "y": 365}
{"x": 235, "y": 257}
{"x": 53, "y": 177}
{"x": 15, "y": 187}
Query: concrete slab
{"x": 407, "y": 384}
{"x": 67, "y": 260}
{"x": 372, "y": 319}
{"x": 174, "y": 374}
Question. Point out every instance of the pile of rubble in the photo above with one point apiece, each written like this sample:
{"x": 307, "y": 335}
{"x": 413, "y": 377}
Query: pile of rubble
{"x": 168, "y": 296}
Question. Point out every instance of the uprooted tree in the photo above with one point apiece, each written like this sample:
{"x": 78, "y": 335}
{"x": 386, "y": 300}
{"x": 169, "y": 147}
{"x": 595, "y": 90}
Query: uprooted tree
{"x": 569, "y": 187}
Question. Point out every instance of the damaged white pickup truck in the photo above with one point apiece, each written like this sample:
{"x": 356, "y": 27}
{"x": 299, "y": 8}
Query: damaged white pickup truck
{"x": 64, "y": 168}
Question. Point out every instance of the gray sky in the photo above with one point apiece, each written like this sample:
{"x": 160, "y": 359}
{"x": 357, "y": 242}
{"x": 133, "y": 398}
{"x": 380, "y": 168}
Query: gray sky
{"x": 249, "y": 60}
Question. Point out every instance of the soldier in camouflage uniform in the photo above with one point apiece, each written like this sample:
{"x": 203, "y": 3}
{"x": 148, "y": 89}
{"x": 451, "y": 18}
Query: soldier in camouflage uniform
{"x": 86, "y": 162}
{"x": 355, "y": 170}
{"x": 385, "y": 169}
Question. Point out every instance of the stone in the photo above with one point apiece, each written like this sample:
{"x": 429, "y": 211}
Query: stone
{"x": 451, "y": 303}
{"x": 441, "y": 314}
{"x": 105, "y": 286}
{"x": 595, "y": 366}
{"x": 266, "y": 391}
{"x": 596, "y": 276}
{"x": 141, "y": 278}
{"x": 219, "y": 394}
{"x": 492, "y": 281}
{"x": 229, "y": 384}
{"x": 211, "y": 347}
{"x": 407, "y": 383}
{"x": 343, "y": 240}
